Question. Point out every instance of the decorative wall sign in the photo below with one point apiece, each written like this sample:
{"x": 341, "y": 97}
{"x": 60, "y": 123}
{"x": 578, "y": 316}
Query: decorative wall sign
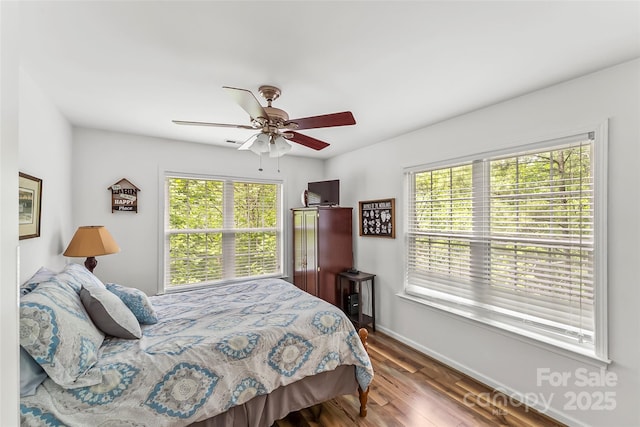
{"x": 377, "y": 218}
{"x": 124, "y": 196}
{"x": 29, "y": 205}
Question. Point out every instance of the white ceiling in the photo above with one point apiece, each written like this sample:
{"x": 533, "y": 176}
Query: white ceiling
{"x": 133, "y": 66}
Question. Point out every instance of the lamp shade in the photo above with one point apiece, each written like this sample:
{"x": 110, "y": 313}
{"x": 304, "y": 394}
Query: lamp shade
{"x": 91, "y": 241}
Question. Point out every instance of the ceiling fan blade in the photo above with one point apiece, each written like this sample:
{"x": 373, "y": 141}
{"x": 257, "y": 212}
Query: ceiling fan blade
{"x": 221, "y": 125}
{"x": 308, "y": 141}
{"x": 247, "y": 101}
{"x": 324, "y": 121}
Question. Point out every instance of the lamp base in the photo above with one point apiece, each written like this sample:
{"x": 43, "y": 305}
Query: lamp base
{"x": 91, "y": 263}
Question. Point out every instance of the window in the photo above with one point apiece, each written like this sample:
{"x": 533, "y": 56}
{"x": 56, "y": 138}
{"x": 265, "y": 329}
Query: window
{"x": 220, "y": 229}
{"x": 512, "y": 240}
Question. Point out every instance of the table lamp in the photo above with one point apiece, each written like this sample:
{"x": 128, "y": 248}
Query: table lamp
{"x": 91, "y": 241}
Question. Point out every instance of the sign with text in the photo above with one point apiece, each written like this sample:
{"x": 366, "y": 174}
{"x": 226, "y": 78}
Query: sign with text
{"x": 124, "y": 196}
{"x": 377, "y": 218}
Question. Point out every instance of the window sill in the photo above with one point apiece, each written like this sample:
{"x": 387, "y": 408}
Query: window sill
{"x": 540, "y": 341}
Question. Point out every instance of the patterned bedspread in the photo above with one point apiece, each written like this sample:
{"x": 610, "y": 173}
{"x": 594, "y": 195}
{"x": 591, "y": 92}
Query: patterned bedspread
{"x": 211, "y": 349}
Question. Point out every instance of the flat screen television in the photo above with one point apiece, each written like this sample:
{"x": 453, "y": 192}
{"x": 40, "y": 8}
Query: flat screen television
{"x": 329, "y": 192}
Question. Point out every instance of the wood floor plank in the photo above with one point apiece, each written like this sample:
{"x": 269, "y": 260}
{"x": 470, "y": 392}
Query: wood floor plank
{"x": 391, "y": 359}
{"x": 412, "y": 389}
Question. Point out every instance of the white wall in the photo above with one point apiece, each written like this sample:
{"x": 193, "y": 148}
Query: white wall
{"x": 36, "y": 139}
{"x": 45, "y": 152}
{"x": 9, "y": 101}
{"x": 103, "y": 158}
{"x": 501, "y": 359}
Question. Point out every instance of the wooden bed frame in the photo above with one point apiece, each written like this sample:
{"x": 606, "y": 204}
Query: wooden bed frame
{"x": 364, "y": 394}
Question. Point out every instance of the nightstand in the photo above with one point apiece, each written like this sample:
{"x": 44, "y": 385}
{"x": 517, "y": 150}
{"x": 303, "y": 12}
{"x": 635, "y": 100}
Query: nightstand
{"x": 350, "y": 284}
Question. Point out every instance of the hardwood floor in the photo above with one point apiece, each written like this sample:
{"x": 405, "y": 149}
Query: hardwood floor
{"x": 411, "y": 389}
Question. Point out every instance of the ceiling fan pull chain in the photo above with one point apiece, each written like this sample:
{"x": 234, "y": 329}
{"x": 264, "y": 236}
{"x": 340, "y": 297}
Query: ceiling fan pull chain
{"x": 260, "y": 156}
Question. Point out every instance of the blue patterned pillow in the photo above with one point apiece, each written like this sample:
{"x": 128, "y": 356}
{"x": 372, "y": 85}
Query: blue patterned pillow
{"x": 76, "y": 275}
{"x": 137, "y": 301}
{"x": 42, "y": 275}
{"x": 57, "y": 332}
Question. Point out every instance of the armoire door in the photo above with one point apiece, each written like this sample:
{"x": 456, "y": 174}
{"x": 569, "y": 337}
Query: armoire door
{"x": 305, "y": 244}
{"x": 335, "y": 249}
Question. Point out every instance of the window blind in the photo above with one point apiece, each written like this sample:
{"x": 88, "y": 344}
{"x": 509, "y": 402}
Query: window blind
{"x": 509, "y": 239}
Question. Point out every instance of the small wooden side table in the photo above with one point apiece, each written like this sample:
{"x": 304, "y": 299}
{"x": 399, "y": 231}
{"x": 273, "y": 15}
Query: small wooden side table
{"x": 353, "y": 283}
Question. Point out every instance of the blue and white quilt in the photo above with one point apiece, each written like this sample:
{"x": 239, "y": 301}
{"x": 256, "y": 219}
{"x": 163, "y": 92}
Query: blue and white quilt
{"x": 211, "y": 349}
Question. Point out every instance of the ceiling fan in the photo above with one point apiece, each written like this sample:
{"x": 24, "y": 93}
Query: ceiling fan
{"x": 274, "y": 125}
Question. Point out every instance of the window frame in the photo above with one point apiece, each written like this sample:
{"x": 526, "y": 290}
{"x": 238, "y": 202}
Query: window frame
{"x": 164, "y": 232}
{"x": 599, "y": 351}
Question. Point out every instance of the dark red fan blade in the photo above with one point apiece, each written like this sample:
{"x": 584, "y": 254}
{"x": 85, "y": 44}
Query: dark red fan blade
{"x": 308, "y": 141}
{"x": 247, "y": 101}
{"x": 325, "y": 121}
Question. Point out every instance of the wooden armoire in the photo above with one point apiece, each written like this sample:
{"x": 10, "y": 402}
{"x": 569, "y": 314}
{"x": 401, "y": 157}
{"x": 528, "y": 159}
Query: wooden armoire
{"x": 322, "y": 248}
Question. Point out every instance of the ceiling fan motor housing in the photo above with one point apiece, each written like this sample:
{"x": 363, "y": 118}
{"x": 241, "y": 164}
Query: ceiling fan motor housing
{"x": 276, "y": 115}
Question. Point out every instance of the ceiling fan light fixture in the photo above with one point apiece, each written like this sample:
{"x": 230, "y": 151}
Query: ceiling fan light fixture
{"x": 279, "y": 147}
{"x": 260, "y": 144}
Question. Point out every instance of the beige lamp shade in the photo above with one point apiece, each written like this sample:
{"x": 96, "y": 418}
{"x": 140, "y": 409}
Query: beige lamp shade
{"x": 91, "y": 241}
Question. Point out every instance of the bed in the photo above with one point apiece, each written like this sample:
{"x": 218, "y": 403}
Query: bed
{"x": 241, "y": 354}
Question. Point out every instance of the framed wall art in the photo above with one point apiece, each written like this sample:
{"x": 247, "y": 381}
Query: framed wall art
{"x": 378, "y": 218}
{"x": 29, "y": 205}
